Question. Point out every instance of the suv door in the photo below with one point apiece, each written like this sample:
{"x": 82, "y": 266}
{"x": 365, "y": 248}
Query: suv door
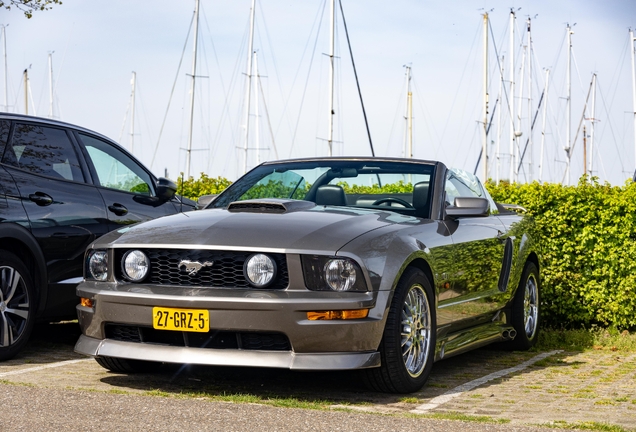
{"x": 129, "y": 191}
{"x": 65, "y": 213}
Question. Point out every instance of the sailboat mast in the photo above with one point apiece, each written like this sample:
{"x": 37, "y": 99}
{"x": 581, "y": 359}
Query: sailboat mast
{"x": 331, "y": 74}
{"x": 484, "y": 135}
{"x": 530, "y": 123}
{"x": 545, "y": 112}
{"x": 51, "y": 84}
{"x": 632, "y": 39}
{"x": 6, "y": 80}
{"x": 513, "y": 137}
{"x": 593, "y": 120}
{"x": 408, "y": 145}
{"x": 499, "y": 125}
{"x": 248, "y": 85}
{"x": 256, "y": 117}
{"x": 133, "y": 83}
{"x": 26, "y": 92}
{"x": 569, "y": 103}
{"x": 194, "y": 72}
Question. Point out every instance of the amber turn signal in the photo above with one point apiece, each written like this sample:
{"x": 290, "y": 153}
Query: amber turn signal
{"x": 86, "y": 302}
{"x": 338, "y": 315}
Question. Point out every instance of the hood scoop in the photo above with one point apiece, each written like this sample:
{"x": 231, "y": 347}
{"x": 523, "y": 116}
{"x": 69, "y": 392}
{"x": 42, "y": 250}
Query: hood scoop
{"x": 269, "y": 205}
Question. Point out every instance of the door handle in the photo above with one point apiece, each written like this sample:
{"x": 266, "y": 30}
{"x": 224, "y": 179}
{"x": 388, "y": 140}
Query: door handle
{"x": 41, "y": 199}
{"x": 118, "y": 209}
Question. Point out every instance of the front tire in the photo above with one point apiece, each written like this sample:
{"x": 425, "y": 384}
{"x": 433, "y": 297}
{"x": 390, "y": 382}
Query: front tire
{"x": 408, "y": 343}
{"x": 525, "y": 309}
{"x": 17, "y": 305}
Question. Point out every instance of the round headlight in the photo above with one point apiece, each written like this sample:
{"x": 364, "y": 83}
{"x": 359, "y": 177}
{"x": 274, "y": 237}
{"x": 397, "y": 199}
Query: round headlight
{"x": 260, "y": 270}
{"x": 340, "y": 274}
{"x": 98, "y": 265}
{"x": 135, "y": 265}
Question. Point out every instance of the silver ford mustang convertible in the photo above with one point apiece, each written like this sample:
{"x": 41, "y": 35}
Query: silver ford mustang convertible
{"x": 382, "y": 265}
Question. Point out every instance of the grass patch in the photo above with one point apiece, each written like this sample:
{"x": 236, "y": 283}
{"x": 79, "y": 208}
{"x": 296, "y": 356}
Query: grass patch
{"x": 437, "y": 385}
{"x": 21, "y": 384}
{"x": 587, "y": 339}
{"x": 453, "y": 415}
{"x": 412, "y": 400}
{"x": 593, "y": 426}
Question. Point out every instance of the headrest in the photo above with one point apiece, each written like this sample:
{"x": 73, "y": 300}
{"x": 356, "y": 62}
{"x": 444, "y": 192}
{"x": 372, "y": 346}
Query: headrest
{"x": 420, "y": 195}
{"x": 331, "y": 195}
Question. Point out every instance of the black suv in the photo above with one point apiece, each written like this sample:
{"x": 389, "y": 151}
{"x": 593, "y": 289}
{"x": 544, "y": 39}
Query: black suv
{"x": 61, "y": 187}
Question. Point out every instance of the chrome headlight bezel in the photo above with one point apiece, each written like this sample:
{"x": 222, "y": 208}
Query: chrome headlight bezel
{"x": 96, "y": 265}
{"x": 260, "y": 270}
{"x": 316, "y": 278}
{"x": 135, "y": 265}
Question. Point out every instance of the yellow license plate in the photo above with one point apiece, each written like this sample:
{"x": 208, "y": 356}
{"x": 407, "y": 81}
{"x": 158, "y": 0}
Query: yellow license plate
{"x": 194, "y": 320}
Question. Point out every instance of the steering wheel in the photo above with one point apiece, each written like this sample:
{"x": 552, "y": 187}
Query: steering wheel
{"x": 391, "y": 199}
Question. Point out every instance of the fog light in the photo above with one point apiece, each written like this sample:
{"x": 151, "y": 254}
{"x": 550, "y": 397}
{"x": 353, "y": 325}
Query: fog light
{"x": 259, "y": 270}
{"x": 338, "y": 315}
{"x": 135, "y": 265}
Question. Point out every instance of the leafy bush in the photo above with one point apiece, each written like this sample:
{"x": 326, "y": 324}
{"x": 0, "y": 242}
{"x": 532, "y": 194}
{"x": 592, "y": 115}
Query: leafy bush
{"x": 588, "y": 249}
{"x": 204, "y": 185}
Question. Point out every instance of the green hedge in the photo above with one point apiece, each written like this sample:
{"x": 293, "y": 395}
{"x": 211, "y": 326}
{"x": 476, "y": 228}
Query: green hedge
{"x": 588, "y": 249}
{"x": 587, "y": 246}
{"x": 204, "y": 185}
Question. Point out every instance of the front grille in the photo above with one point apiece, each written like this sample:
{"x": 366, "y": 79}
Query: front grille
{"x": 214, "y": 339}
{"x": 225, "y": 271}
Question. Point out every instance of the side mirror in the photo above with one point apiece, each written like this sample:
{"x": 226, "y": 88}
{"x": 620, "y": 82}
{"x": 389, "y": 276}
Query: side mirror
{"x": 468, "y": 206}
{"x": 166, "y": 189}
{"x": 204, "y": 200}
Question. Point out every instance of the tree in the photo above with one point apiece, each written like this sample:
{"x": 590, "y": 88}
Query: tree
{"x": 29, "y": 6}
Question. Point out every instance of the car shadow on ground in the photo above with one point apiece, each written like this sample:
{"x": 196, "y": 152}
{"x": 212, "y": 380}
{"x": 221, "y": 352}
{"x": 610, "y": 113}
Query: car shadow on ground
{"x": 323, "y": 387}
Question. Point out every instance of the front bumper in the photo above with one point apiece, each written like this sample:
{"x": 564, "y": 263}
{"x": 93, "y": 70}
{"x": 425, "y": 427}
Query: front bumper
{"x": 314, "y": 345}
{"x": 169, "y": 354}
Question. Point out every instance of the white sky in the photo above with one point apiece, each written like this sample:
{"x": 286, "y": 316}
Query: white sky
{"x": 97, "y": 45}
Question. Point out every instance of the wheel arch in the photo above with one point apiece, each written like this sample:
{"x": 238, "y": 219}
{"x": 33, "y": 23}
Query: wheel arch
{"x": 19, "y": 241}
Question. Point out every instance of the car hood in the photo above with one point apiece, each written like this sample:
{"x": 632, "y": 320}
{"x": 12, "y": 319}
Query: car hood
{"x": 314, "y": 228}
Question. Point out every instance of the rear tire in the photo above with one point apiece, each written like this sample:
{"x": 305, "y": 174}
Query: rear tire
{"x": 17, "y": 305}
{"x": 408, "y": 344}
{"x": 121, "y": 365}
{"x": 525, "y": 309}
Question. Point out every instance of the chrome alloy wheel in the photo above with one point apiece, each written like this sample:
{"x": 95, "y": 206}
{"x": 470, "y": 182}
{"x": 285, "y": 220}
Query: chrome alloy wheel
{"x": 416, "y": 330}
{"x": 530, "y": 306}
{"x": 14, "y": 306}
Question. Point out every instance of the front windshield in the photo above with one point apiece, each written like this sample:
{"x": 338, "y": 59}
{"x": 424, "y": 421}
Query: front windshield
{"x": 398, "y": 186}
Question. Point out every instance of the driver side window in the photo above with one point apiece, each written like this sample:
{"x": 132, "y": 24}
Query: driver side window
{"x": 115, "y": 169}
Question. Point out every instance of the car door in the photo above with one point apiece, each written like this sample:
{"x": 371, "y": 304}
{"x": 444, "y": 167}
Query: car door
{"x": 128, "y": 190}
{"x": 65, "y": 213}
{"x": 478, "y": 251}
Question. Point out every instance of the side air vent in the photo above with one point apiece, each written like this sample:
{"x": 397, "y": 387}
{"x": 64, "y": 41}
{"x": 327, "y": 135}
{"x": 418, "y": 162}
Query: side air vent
{"x": 506, "y": 265}
{"x": 269, "y": 206}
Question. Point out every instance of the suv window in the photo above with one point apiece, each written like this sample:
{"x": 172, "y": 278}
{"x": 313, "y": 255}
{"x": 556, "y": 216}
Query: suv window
{"x": 43, "y": 150}
{"x": 115, "y": 169}
{"x": 4, "y": 135}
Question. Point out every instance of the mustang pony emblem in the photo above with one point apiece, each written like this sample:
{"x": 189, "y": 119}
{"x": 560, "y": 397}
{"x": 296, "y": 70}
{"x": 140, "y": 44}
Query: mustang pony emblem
{"x": 193, "y": 267}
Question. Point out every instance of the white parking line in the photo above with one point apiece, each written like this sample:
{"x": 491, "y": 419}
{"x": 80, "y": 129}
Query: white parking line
{"x": 459, "y": 390}
{"x": 46, "y": 366}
